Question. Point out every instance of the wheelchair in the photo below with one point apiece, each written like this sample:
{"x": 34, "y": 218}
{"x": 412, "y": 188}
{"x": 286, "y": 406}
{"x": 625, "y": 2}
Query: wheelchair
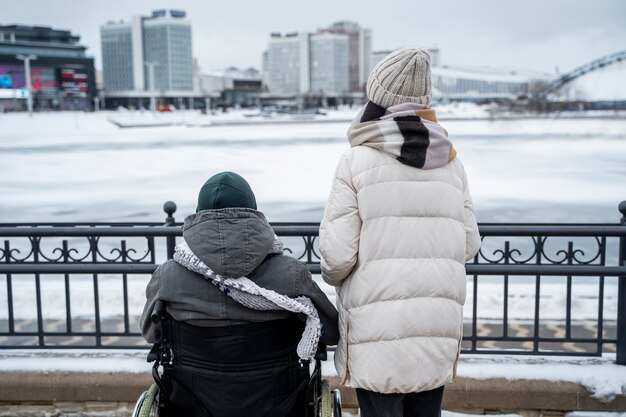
{"x": 313, "y": 396}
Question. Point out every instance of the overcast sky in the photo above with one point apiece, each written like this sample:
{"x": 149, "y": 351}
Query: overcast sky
{"x": 538, "y": 35}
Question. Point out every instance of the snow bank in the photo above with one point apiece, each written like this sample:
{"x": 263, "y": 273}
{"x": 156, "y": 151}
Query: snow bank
{"x": 46, "y": 361}
{"x": 600, "y": 376}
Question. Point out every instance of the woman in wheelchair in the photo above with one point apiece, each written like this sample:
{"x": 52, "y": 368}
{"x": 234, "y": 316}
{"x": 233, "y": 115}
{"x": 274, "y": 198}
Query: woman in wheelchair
{"x": 235, "y": 322}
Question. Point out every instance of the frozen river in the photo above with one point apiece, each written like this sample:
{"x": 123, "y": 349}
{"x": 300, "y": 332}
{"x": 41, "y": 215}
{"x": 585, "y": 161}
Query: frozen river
{"x": 81, "y": 167}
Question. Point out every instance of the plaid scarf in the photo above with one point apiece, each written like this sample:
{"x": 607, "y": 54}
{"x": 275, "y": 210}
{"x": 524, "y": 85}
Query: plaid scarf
{"x": 409, "y": 132}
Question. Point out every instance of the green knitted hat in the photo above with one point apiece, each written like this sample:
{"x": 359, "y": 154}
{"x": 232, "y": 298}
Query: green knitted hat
{"x": 225, "y": 190}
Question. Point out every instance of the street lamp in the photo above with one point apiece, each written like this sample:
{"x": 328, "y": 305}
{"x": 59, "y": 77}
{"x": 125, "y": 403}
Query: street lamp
{"x": 29, "y": 86}
{"x": 151, "y": 66}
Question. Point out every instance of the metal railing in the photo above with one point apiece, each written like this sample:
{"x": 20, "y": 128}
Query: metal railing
{"x": 58, "y": 280}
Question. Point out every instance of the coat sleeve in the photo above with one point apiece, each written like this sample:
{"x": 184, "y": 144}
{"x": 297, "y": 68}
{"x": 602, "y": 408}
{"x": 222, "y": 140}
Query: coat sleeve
{"x": 326, "y": 310}
{"x": 149, "y": 330}
{"x": 340, "y": 229}
{"x": 472, "y": 236}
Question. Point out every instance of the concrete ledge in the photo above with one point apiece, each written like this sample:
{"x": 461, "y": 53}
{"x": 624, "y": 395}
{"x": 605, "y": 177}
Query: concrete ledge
{"x": 530, "y": 386}
{"x": 28, "y": 387}
{"x": 500, "y": 394}
{"x": 479, "y": 396}
{"x": 464, "y": 394}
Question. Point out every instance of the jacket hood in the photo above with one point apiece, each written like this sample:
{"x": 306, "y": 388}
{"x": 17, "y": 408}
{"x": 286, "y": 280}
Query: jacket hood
{"x": 408, "y": 132}
{"x": 232, "y": 242}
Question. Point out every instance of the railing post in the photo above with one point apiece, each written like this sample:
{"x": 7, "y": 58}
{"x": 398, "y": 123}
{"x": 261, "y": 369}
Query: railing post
{"x": 621, "y": 294}
{"x": 170, "y": 208}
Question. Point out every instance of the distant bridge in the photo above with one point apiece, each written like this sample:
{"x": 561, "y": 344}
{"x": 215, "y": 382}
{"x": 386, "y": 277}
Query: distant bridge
{"x": 594, "y": 65}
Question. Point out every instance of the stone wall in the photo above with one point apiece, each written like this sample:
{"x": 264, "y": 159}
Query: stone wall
{"x": 112, "y": 394}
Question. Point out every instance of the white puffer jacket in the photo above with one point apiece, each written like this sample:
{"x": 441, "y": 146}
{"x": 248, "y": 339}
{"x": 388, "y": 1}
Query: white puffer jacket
{"x": 394, "y": 241}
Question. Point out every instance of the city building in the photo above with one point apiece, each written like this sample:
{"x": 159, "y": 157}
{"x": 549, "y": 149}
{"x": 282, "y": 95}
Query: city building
{"x": 62, "y": 74}
{"x": 359, "y": 52}
{"x": 333, "y": 62}
{"x": 329, "y": 62}
{"x": 478, "y": 84}
{"x": 148, "y": 56}
{"x": 231, "y": 88}
{"x": 288, "y": 64}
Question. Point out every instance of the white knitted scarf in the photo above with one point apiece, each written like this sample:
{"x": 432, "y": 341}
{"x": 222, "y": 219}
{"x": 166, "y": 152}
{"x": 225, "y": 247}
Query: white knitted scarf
{"x": 246, "y": 292}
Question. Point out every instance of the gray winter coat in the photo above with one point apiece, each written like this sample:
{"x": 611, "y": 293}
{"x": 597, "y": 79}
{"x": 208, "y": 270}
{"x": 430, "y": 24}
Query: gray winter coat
{"x": 233, "y": 242}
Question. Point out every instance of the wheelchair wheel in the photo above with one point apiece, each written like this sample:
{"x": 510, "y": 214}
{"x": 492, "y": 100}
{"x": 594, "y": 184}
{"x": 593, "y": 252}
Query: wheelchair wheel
{"x": 147, "y": 403}
{"x": 326, "y": 402}
{"x": 336, "y": 403}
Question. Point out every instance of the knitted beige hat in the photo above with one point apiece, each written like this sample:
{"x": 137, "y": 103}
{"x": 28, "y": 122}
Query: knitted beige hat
{"x": 403, "y": 76}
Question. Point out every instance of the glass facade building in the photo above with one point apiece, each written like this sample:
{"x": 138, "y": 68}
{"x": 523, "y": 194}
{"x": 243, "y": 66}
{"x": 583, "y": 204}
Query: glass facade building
{"x": 359, "y": 52}
{"x": 117, "y": 57}
{"x": 330, "y": 64}
{"x": 288, "y": 64}
{"x": 162, "y": 40}
{"x": 167, "y": 42}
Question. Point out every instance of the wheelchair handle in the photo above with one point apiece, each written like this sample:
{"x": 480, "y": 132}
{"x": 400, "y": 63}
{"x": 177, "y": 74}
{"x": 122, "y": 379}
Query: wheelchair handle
{"x": 158, "y": 312}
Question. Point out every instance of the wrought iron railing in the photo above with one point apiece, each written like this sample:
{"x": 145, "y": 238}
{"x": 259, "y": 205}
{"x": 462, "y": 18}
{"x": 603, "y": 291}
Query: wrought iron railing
{"x": 81, "y": 285}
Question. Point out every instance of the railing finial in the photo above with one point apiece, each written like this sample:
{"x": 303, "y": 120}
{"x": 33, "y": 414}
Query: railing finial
{"x": 170, "y": 208}
{"x": 622, "y": 208}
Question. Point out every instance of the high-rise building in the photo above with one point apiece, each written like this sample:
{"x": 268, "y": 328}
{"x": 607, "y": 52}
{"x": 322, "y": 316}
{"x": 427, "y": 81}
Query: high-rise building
{"x": 62, "y": 74}
{"x": 329, "y": 63}
{"x": 288, "y": 64}
{"x": 158, "y": 44}
{"x": 334, "y": 61}
{"x": 167, "y": 42}
{"x": 359, "y": 52}
{"x": 120, "y": 70}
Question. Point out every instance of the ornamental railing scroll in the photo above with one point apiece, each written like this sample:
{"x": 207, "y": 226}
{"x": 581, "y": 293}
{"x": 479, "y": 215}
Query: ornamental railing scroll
{"x": 68, "y": 255}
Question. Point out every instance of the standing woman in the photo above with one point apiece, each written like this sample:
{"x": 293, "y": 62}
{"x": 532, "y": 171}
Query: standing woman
{"x": 397, "y": 230}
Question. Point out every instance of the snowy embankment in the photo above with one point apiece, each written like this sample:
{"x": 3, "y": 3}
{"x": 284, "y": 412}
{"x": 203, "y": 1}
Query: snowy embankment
{"x": 234, "y": 117}
{"x": 600, "y": 376}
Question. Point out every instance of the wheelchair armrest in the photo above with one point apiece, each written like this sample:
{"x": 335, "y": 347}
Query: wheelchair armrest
{"x": 158, "y": 312}
{"x": 154, "y": 353}
{"x": 321, "y": 352}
